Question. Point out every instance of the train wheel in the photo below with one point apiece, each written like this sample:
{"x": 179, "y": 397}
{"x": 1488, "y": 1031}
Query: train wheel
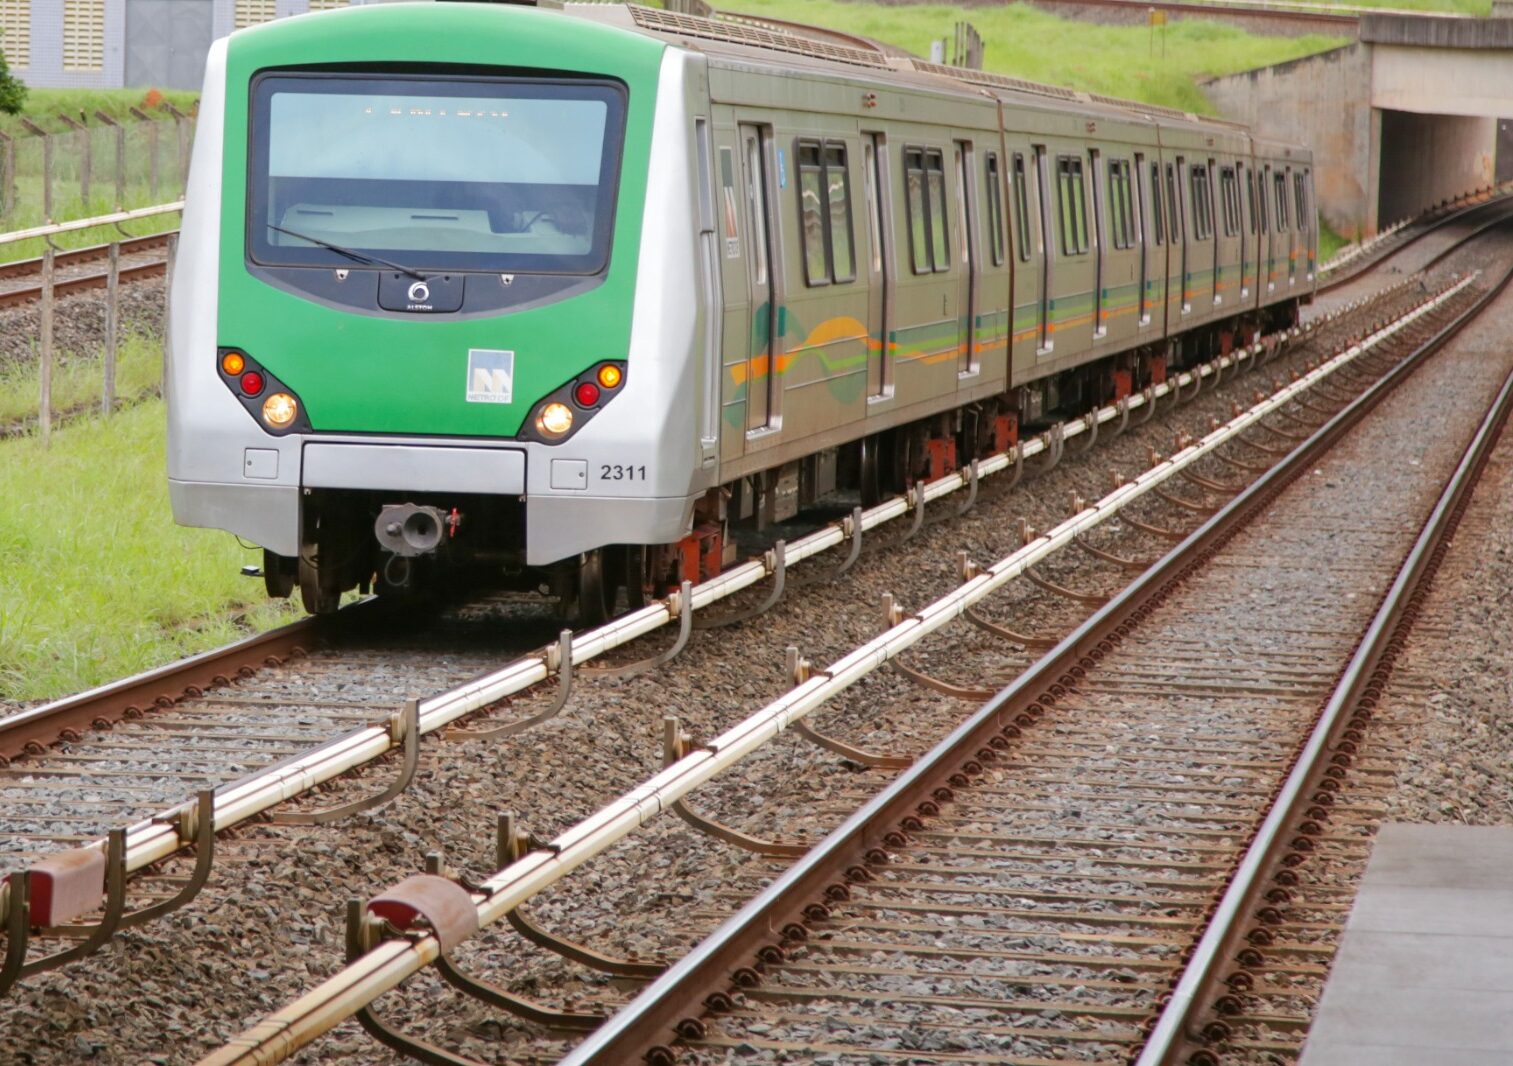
{"x": 317, "y": 584}
{"x": 628, "y": 570}
{"x": 280, "y": 573}
{"x": 596, "y": 589}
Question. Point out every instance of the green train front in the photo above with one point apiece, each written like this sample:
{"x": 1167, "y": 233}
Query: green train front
{"x": 407, "y": 322}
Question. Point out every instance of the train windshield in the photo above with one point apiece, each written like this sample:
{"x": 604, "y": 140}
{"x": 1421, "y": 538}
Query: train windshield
{"x": 464, "y": 174}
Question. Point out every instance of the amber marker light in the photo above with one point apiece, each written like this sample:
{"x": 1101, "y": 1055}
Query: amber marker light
{"x": 554, "y": 420}
{"x": 280, "y": 410}
{"x": 609, "y": 376}
{"x": 233, "y": 363}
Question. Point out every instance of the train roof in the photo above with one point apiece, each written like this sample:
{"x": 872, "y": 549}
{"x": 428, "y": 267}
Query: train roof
{"x": 808, "y": 48}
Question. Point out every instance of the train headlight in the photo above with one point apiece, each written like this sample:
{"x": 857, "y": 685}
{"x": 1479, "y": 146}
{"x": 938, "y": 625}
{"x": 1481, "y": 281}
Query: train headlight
{"x": 280, "y": 410}
{"x": 609, "y": 375}
{"x": 555, "y": 420}
{"x": 233, "y": 363}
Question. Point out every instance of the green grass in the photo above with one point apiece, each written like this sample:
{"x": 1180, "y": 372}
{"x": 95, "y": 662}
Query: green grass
{"x": 96, "y": 582}
{"x": 1124, "y": 61}
{"x": 44, "y": 105}
{"x": 78, "y": 380}
{"x": 1330, "y": 242}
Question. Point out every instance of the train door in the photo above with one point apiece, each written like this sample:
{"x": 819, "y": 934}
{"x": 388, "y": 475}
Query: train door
{"x": 1268, "y": 230}
{"x": 1142, "y": 241}
{"x": 1100, "y": 324}
{"x": 1297, "y": 233}
{"x": 1179, "y": 230}
{"x": 969, "y": 253}
{"x": 1247, "y": 226}
{"x": 760, "y": 372}
{"x": 1043, "y": 207}
{"x": 879, "y": 265}
{"x": 1283, "y": 226}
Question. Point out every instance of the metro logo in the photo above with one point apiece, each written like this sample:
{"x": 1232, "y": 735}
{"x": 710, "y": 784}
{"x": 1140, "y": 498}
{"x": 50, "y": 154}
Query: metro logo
{"x": 491, "y": 376}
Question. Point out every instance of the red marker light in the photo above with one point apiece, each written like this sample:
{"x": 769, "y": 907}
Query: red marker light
{"x": 252, "y": 383}
{"x": 587, "y": 394}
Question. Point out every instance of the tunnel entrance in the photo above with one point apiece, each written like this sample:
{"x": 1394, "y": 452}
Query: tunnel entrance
{"x": 1428, "y": 159}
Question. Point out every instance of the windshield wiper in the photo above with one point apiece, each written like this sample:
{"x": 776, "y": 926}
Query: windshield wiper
{"x": 361, "y": 257}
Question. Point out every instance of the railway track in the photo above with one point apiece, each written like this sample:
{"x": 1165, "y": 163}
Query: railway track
{"x": 1117, "y": 857}
{"x": 389, "y": 959}
{"x": 78, "y": 270}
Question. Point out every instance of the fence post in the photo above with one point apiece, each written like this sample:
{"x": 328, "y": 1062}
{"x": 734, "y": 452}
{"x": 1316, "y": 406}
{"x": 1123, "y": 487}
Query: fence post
{"x": 47, "y": 166}
{"x": 7, "y": 174}
{"x": 112, "y": 326}
{"x": 45, "y": 389}
{"x": 120, "y": 132}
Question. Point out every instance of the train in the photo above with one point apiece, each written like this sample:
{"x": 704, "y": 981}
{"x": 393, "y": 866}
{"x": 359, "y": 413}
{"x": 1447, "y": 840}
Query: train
{"x": 574, "y": 298}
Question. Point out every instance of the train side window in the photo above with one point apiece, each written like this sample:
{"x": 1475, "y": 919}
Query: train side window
{"x": 1072, "y": 201}
{"x": 1021, "y": 208}
{"x": 838, "y": 192}
{"x": 995, "y": 207}
{"x": 1158, "y": 220}
{"x": 1281, "y": 190}
{"x": 825, "y": 212}
{"x": 1263, "y": 213}
{"x": 935, "y": 175}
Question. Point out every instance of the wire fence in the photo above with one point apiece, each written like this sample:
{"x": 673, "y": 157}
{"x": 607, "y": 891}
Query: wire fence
{"x": 31, "y": 393}
{"x": 95, "y": 166}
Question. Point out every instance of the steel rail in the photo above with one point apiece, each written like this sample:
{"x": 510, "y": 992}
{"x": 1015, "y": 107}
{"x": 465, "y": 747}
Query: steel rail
{"x": 30, "y": 731}
{"x": 643, "y": 1025}
{"x": 1370, "y": 262}
{"x": 1214, "y": 956}
{"x": 69, "y": 286}
{"x": 53, "y": 229}
{"x": 20, "y": 268}
{"x": 390, "y": 963}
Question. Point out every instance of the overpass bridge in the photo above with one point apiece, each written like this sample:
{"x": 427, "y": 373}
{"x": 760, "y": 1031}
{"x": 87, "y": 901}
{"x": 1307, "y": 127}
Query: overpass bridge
{"x": 1417, "y": 111}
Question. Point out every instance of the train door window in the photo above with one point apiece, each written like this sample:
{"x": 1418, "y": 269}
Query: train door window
{"x": 925, "y": 177}
{"x": 1263, "y": 213}
{"x": 1229, "y": 196}
{"x": 1072, "y": 203}
{"x": 1203, "y": 221}
{"x": 1173, "y": 214}
{"x": 1250, "y": 197}
{"x": 935, "y": 174}
{"x": 1021, "y": 208}
{"x": 1158, "y": 221}
{"x": 1300, "y": 188}
{"x": 758, "y": 211}
{"x": 874, "y": 222}
{"x": 995, "y": 207}
{"x": 1280, "y": 185}
{"x": 825, "y": 212}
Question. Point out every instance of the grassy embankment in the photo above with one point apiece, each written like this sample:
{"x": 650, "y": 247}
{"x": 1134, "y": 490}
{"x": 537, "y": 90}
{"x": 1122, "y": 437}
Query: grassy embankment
{"x": 96, "y": 582}
{"x": 43, "y": 106}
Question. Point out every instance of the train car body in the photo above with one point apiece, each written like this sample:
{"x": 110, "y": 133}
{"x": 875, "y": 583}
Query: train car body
{"x": 568, "y": 294}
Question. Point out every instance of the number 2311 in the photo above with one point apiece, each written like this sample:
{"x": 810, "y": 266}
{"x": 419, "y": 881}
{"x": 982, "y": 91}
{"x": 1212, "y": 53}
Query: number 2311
{"x": 616, "y": 472}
